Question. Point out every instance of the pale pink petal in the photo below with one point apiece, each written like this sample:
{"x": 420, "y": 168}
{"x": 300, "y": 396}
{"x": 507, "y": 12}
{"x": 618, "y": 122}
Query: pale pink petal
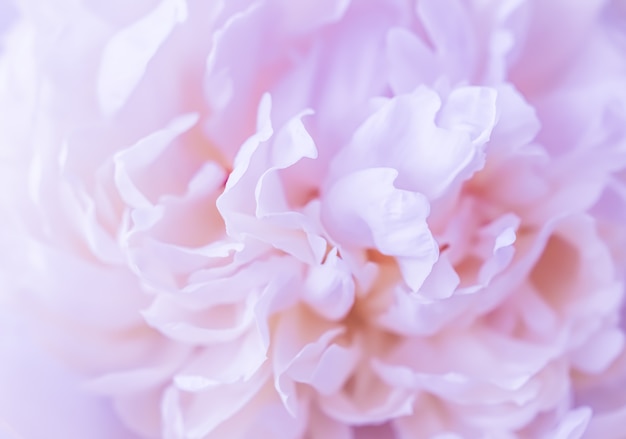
{"x": 411, "y": 61}
{"x": 329, "y": 287}
{"x": 342, "y": 219}
{"x": 458, "y": 127}
{"x": 133, "y": 47}
{"x": 384, "y": 217}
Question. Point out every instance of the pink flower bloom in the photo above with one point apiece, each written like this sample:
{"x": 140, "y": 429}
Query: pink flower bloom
{"x": 337, "y": 219}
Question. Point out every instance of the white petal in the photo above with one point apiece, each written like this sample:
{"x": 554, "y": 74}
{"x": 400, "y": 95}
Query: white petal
{"x": 128, "y": 53}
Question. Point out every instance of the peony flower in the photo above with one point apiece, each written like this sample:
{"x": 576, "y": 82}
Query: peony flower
{"x": 317, "y": 219}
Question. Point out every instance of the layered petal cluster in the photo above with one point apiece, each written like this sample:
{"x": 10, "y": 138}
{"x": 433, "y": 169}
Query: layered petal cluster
{"x": 337, "y": 219}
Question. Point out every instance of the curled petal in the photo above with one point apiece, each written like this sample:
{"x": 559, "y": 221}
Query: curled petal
{"x": 365, "y": 209}
{"x": 429, "y": 141}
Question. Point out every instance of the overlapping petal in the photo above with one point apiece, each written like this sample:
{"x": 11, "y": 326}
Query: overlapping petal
{"x": 321, "y": 219}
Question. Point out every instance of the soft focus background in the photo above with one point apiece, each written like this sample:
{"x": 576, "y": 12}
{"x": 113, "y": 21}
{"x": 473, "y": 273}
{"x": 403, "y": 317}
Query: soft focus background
{"x": 39, "y": 397}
